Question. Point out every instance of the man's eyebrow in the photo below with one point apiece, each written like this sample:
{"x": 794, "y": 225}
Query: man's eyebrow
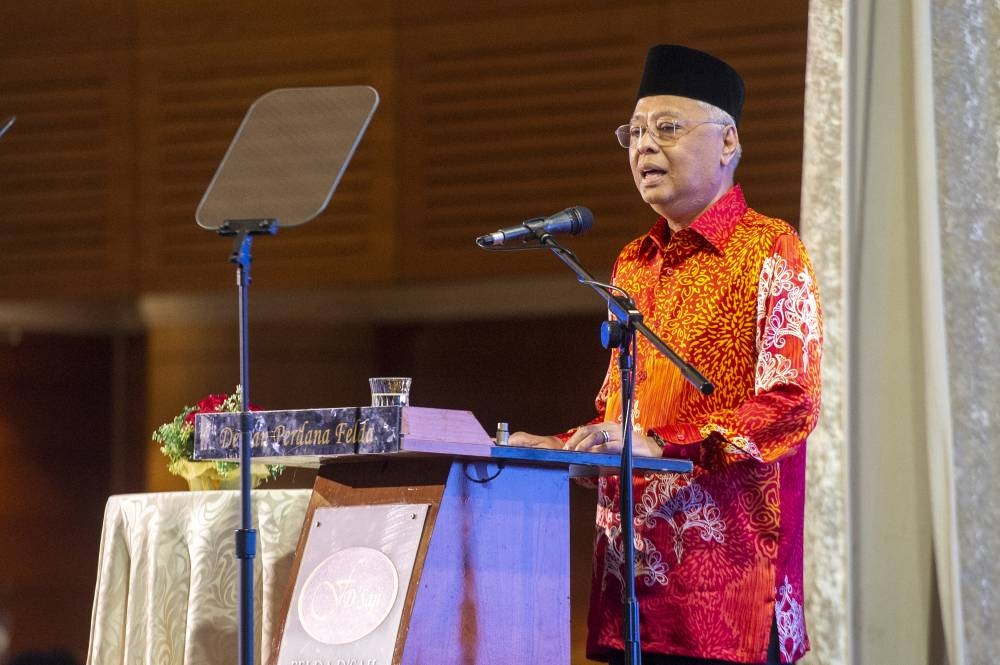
{"x": 659, "y": 114}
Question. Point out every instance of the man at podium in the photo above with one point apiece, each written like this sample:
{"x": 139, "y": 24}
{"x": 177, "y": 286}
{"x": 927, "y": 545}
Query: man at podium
{"x": 718, "y": 553}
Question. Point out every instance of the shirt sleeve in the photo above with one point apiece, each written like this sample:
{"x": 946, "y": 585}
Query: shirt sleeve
{"x": 785, "y": 402}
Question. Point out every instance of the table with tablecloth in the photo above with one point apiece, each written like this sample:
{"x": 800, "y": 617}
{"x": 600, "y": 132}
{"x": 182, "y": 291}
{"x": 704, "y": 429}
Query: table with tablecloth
{"x": 167, "y": 590}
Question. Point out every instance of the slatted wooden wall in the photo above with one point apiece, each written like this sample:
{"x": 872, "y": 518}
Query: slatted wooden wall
{"x": 65, "y": 194}
{"x": 191, "y": 99}
{"x": 491, "y": 113}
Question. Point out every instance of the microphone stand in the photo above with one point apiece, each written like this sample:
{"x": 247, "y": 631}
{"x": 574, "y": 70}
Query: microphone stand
{"x": 243, "y": 231}
{"x": 620, "y": 333}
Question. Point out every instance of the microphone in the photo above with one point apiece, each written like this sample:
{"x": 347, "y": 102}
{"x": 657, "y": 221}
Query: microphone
{"x": 571, "y": 220}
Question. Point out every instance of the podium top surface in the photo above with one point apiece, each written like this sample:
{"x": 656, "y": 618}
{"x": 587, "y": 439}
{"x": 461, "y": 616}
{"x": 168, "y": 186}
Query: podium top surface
{"x": 580, "y": 463}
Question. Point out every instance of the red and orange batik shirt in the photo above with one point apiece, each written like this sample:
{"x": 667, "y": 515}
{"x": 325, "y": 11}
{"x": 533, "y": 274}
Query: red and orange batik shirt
{"x": 719, "y": 552}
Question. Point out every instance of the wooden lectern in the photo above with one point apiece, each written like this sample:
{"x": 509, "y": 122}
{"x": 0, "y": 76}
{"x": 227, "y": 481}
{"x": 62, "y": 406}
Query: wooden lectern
{"x": 489, "y": 574}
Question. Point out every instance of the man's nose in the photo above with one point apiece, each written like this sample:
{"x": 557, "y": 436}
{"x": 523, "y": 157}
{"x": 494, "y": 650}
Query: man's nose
{"x": 645, "y": 143}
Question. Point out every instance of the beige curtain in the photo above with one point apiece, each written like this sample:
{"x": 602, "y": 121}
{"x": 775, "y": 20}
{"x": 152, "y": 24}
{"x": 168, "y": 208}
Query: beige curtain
{"x": 963, "y": 42}
{"x": 901, "y": 212}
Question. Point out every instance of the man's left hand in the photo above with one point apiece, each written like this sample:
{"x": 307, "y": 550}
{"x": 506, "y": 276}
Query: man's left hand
{"x": 607, "y": 438}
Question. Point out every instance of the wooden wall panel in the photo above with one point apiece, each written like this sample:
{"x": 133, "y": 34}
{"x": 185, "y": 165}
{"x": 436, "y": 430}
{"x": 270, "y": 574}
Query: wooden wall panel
{"x": 65, "y": 189}
{"x": 69, "y": 26}
{"x": 191, "y": 102}
{"x": 509, "y": 118}
{"x": 192, "y": 23}
{"x": 490, "y": 114}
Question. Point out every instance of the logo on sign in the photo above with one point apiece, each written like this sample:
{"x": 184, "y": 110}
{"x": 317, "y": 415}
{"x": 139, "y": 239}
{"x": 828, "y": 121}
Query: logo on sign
{"x": 348, "y": 595}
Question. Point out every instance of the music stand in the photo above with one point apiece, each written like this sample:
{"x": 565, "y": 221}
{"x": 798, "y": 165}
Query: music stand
{"x": 283, "y": 165}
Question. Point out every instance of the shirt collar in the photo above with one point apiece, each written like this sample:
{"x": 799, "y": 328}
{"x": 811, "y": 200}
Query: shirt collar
{"x": 715, "y": 225}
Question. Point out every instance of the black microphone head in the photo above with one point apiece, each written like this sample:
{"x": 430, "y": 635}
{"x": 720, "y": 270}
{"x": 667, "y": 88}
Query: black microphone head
{"x": 583, "y": 219}
{"x": 571, "y": 220}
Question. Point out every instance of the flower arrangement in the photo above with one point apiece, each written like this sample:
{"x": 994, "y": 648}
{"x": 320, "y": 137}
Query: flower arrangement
{"x": 176, "y": 439}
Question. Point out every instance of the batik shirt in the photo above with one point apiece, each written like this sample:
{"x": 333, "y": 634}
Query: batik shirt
{"x": 719, "y": 551}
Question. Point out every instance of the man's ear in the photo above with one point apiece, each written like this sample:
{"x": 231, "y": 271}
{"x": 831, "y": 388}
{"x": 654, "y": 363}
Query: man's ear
{"x": 730, "y": 145}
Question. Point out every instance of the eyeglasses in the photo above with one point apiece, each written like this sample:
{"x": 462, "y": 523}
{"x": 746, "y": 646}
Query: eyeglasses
{"x": 664, "y": 132}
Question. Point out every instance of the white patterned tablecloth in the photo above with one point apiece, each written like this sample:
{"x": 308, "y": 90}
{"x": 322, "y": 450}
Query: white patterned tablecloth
{"x": 167, "y": 590}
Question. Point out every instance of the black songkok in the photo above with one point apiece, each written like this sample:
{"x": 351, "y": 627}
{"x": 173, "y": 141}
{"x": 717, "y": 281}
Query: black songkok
{"x": 678, "y": 70}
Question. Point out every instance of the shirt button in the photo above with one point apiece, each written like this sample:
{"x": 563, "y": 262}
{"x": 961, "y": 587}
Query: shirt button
{"x": 670, "y": 271}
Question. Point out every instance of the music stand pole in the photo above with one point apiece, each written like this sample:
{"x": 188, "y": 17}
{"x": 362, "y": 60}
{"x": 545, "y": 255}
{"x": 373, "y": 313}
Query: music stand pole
{"x": 243, "y": 232}
{"x": 284, "y": 163}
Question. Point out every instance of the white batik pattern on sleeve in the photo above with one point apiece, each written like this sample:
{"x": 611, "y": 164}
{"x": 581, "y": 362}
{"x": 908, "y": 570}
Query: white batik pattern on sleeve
{"x": 772, "y": 370}
{"x": 795, "y": 313}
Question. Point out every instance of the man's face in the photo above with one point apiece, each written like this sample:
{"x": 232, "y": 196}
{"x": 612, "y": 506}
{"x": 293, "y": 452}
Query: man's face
{"x": 679, "y": 178}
